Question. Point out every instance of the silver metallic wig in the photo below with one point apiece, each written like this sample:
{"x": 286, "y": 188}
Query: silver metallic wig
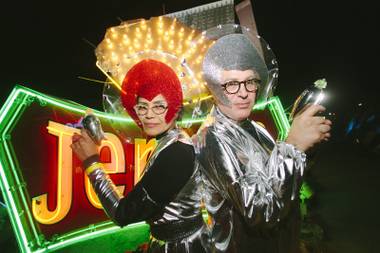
{"x": 237, "y": 48}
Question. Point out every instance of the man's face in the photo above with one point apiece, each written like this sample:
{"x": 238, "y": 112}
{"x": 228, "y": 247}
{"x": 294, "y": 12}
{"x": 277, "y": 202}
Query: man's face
{"x": 241, "y": 103}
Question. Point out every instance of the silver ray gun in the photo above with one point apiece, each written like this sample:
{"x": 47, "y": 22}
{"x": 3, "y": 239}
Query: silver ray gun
{"x": 312, "y": 95}
{"x": 92, "y": 125}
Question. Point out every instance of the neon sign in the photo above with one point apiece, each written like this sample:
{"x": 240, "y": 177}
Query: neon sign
{"x": 50, "y": 202}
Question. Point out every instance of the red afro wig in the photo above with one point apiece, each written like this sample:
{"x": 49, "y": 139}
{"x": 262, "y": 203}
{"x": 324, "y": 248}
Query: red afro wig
{"x": 147, "y": 79}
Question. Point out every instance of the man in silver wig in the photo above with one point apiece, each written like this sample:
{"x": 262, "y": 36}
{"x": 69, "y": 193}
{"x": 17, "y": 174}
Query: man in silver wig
{"x": 251, "y": 181}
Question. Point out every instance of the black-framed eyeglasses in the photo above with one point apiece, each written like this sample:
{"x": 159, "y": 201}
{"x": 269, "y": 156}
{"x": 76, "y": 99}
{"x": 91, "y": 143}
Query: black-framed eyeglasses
{"x": 233, "y": 87}
{"x": 142, "y": 110}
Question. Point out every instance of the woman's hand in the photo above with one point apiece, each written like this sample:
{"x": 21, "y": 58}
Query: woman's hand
{"x": 308, "y": 129}
{"x": 83, "y": 146}
{"x": 199, "y": 139}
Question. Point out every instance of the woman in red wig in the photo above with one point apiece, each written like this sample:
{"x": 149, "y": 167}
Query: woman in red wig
{"x": 168, "y": 195}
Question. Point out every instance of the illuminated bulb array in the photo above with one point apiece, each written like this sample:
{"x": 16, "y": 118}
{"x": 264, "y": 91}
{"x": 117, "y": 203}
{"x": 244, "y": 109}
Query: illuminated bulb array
{"x": 161, "y": 38}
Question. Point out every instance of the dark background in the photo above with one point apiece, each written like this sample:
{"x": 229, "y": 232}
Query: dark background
{"x": 45, "y": 45}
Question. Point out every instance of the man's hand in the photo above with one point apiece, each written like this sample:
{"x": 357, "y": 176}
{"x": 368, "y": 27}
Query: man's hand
{"x": 308, "y": 129}
{"x": 83, "y": 146}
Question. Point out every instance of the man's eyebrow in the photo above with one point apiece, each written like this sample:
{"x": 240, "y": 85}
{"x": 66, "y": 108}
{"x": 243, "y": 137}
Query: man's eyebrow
{"x": 235, "y": 79}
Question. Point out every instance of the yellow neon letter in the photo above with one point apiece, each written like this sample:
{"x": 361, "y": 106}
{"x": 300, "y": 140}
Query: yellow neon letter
{"x": 142, "y": 150}
{"x": 64, "y": 181}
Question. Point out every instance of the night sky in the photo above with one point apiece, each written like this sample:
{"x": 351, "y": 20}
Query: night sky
{"x": 46, "y": 45}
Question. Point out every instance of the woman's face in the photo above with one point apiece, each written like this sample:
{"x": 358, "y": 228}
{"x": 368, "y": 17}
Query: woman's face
{"x": 152, "y": 115}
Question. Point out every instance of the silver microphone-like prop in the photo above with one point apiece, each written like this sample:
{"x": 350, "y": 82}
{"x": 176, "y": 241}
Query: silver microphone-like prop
{"x": 311, "y": 95}
{"x": 92, "y": 125}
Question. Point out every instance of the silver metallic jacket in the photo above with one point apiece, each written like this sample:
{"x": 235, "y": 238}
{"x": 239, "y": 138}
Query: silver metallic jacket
{"x": 180, "y": 222}
{"x": 250, "y": 185}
